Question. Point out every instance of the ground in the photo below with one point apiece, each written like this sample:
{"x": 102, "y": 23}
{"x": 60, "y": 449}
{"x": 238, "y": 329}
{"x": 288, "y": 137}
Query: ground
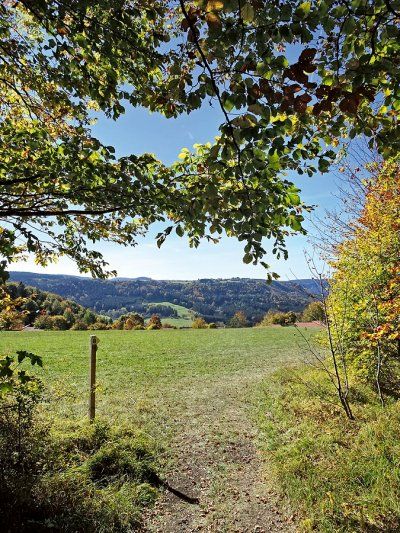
{"x": 196, "y": 392}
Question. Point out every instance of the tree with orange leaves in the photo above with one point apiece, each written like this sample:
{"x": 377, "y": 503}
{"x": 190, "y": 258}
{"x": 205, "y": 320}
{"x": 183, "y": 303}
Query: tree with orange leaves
{"x": 365, "y": 288}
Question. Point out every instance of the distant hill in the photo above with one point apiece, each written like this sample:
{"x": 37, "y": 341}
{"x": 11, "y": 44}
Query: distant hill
{"x": 46, "y": 310}
{"x": 214, "y": 299}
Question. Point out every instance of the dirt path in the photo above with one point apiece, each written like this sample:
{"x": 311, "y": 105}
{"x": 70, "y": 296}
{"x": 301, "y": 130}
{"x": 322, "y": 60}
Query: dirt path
{"x": 216, "y": 464}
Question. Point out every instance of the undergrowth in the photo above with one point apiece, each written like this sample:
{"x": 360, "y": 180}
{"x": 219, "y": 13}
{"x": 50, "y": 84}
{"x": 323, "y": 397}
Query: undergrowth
{"x": 95, "y": 478}
{"x": 339, "y": 475}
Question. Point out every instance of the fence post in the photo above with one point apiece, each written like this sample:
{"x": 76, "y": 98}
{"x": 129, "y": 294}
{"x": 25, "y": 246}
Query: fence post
{"x": 92, "y": 377}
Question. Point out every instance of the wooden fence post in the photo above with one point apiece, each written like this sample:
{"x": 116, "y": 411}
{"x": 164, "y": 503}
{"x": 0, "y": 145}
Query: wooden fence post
{"x": 92, "y": 377}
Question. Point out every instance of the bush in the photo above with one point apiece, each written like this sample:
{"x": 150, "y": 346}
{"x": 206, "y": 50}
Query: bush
{"x": 314, "y": 312}
{"x": 339, "y": 475}
{"x": 134, "y": 320}
{"x": 80, "y": 325}
{"x": 239, "y": 320}
{"x": 43, "y": 322}
{"x": 278, "y": 318}
{"x": 199, "y": 323}
{"x": 154, "y": 322}
{"x": 99, "y": 326}
{"x": 59, "y": 322}
{"x": 167, "y": 325}
{"x": 212, "y": 325}
{"x": 139, "y": 327}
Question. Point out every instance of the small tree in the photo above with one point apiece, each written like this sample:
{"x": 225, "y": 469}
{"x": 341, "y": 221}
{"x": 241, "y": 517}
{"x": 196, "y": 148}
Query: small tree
{"x": 154, "y": 322}
{"x": 43, "y": 321}
{"x": 199, "y": 323}
{"x": 239, "y": 320}
{"x": 89, "y": 317}
{"x": 314, "y": 312}
{"x": 59, "y": 322}
{"x": 134, "y": 320}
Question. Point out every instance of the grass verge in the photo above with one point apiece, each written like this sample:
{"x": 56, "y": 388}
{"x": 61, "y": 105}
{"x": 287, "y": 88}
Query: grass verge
{"x": 338, "y": 475}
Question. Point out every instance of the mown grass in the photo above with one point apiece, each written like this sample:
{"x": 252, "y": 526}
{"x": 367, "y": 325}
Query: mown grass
{"x": 340, "y": 475}
{"x": 140, "y": 371}
{"x": 152, "y": 385}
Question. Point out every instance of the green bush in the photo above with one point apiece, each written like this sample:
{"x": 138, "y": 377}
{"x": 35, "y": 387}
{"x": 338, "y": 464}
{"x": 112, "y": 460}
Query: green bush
{"x": 278, "y": 318}
{"x": 80, "y": 325}
{"x": 339, "y": 475}
{"x": 314, "y": 312}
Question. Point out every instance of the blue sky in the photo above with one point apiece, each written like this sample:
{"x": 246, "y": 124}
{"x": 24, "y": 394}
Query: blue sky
{"x": 139, "y": 131}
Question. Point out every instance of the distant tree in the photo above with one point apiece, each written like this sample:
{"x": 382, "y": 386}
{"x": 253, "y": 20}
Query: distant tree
{"x": 314, "y": 312}
{"x": 69, "y": 316}
{"x": 199, "y": 323}
{"x": 43, "y": 321}
{"x": 239, "y": 320}
{"x": 11, "y": 317}
{"x": 80, "y": 325}
{"x": 154, "y": 322}
{"x": 99, "y": 325}
{"x": 89, "y": 317}
{"x": 134, "y": 320}
{"x": 58, "y": 322}
{"x": 279, "y": 318}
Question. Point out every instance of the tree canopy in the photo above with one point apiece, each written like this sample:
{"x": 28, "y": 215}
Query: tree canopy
{"x": 292, "y": 80}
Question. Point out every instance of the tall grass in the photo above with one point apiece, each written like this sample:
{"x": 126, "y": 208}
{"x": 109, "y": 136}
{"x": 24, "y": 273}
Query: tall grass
{"x": 339, "y": 475}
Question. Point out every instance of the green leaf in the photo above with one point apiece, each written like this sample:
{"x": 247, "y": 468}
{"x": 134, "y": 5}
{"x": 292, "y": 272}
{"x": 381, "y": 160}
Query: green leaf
{"x": 247, "y": 12}
{"x": 229, "y": 104}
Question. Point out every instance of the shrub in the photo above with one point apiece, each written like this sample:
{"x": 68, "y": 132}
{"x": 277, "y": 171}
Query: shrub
{"x": 239, "y": 320}
{"x": 99, "y": 326}
{"x": 59, "y": 322}
{"x": 154, "y": 322}
{"x": 278, "y": 318}
{"x": 43, "y": 322}
{"x": 199, "y": 323}
{"x": 134, "y": 320}
{"x": 167, "y": 325}
{"x": 314, "y": 312}
{"x": 80, "y": 325}
{"x": 139, "y": 327}
{"x": 212, "y": 325}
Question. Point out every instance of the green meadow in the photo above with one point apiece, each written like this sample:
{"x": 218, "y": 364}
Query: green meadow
{"x": 162, "y": 370}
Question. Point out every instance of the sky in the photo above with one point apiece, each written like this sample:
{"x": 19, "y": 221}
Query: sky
{"x": 140, "y": 131}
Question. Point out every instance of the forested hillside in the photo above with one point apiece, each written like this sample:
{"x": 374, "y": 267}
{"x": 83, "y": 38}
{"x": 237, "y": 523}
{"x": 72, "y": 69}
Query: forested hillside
{"x": 215, "y": 299}
{"x": 44, "y": 310}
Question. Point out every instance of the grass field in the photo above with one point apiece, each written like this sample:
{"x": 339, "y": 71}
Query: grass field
{"x": 184, "y": 318}
{"x": 195, "y": 391}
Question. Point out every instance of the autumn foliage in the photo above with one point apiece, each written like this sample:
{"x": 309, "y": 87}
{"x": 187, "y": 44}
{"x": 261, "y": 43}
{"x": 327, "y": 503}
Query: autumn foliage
{"x": 365, "y": 289}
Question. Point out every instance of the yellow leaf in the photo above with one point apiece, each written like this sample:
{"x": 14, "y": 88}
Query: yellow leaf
{"x": 215, "y": 5}
{"x": 213, "y": 20}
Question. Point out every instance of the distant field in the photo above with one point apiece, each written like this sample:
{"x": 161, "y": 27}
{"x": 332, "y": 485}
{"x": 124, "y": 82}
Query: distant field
{"x": 184, "y": 319}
